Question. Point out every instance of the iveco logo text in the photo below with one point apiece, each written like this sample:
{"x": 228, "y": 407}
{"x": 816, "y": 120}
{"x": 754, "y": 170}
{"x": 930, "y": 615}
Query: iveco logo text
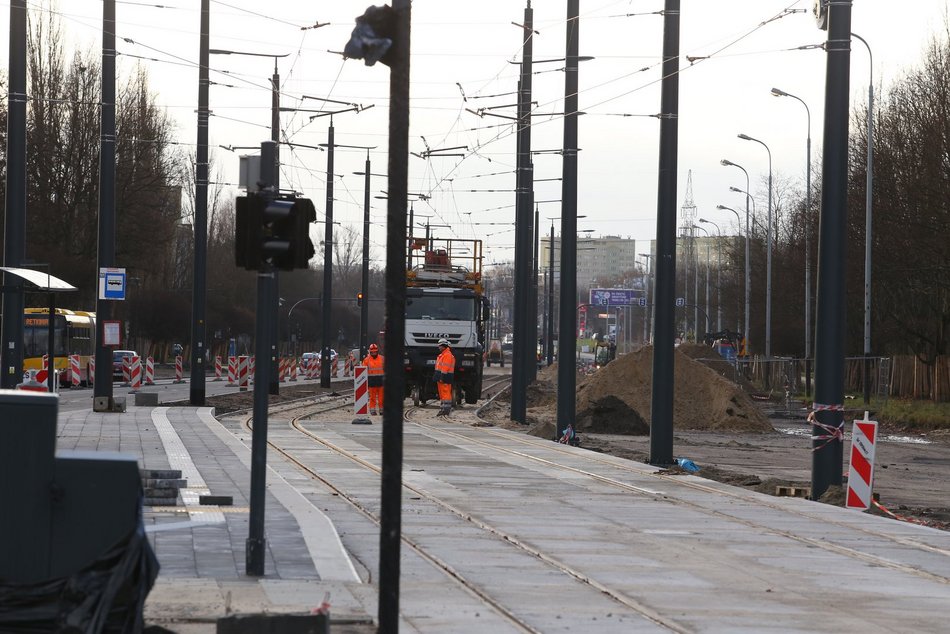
{"x": 437, "y": 335}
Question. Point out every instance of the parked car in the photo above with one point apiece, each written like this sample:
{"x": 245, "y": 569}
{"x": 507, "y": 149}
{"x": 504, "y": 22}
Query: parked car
{"x": 117, "y": 361}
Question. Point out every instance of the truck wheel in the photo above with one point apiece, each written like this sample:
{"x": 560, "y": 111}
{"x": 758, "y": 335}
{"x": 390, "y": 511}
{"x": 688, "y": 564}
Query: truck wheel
{"x": 470, "y": 397}
{"x": 415, "y": 395}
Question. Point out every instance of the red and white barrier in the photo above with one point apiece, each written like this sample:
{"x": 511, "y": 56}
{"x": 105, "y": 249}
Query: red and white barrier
{"x": 243, "y": 372}
{"x": 348, "y": 367}
{"x": 861, "y": 472}
{"x": 293, "y": 368}
{"x": 179, "y": 369}
{"x": 361, "y": 396}
{"x": 250, "y": 368}
{"x": 335, "y": 367}
{"x": 135, "y": 372}
{"x": 32, "y": 382}
{"x": 149, "y": 371}
{"x": 217, "y": 368}
{"x": 75, "y": 371}
{"x": 232, "y": 370}
{"x": 92, "y": 371}
{"x": 126, "y": 371}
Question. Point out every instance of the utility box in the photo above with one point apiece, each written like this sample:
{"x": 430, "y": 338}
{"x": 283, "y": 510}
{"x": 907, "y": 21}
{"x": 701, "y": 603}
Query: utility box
{"x": 249, "y": 173}
{"x": 27, "y": 446}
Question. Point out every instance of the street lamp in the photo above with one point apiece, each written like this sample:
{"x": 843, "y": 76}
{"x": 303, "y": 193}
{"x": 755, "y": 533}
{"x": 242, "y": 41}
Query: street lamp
{"x": 782, "y": 93}
{"x": 867, "y": 225}
{"x": 696, "y": 336}
{"x": 718, "y": 272}
{"x": 748, "y": 269}
{"x": 768, "y": 261}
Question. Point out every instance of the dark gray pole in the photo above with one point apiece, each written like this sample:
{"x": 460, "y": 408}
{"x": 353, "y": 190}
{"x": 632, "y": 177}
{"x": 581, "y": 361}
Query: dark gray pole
{"x": 14, "y": 231}
{"x": 830, "y": 332}
{"x": 364, "y": 308}
{"x": 390, "y": 521}
{"x": 200, "y": 277}
{"x": 567, "y": 331}
{"x": 103, "y": 380}
{"x": 256, "y": 544}
{"x": 273, "y": 387}
{"x": 664, "y": 266}
{"x": 328, "y": 264}
{"x": 550, "y": 325}
{"x": 520, "y": 361}
{"x": 533, "y": 303}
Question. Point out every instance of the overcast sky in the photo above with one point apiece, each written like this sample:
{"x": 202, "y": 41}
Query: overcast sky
{"x": 465, "y": 56}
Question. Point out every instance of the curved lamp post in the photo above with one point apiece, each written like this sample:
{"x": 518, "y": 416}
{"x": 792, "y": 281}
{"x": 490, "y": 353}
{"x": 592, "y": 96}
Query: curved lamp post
{"x": 808, "y": 351}
{"x": 748, "y": 274}
{"x": 718, "y": 271}
{"x": 768, "y": 259}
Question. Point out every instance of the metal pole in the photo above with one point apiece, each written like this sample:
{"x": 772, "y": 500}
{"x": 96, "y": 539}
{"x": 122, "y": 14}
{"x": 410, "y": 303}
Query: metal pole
{"x": 867, "y": 226}
{"x": 390, "y": 522}
{"x": 103, "y": 381}
{"x": 567, "y": 334}
{"x": 524, "y": 334}
{"x": 328, "y": 265}
{"x": 256, "y": 544}
{"x": 274, "y": 386}
{"x": 830, "y": 330}
{"x": 364, "y": 308}
{"x": 661, "y": 425}
{"x": 808, "y": 317}
{"x": 200, "y": 272}
{"x": 533, "y": 303}
{"x": 14, "y": 234}
{"x": 550, "y": 326}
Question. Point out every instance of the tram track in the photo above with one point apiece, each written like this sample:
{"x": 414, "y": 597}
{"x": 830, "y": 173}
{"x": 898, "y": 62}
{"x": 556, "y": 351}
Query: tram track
{"x": 503, "y": 537}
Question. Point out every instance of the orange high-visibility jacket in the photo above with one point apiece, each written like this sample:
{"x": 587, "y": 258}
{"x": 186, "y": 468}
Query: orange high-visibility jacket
{"x": 374, "y": 370}
{"x": 445, "y": 366}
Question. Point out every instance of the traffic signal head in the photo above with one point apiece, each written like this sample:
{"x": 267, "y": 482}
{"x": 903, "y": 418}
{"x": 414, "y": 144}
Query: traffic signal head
{"x": 273, "y": 230}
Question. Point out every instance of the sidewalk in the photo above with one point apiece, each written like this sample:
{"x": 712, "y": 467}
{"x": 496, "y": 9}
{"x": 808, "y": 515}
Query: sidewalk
{"x": 201, "y": 549}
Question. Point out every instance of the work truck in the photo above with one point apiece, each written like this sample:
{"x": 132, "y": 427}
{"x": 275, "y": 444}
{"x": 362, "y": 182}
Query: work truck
{"x": 445, "y": 300}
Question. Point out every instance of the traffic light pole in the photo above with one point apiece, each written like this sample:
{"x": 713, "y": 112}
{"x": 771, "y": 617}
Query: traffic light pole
{"x": 327, "y": 265}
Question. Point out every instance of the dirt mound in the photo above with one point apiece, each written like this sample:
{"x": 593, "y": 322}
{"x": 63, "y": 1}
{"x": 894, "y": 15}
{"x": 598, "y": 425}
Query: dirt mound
{"x": 714, "y": 361}
{"x": 617, "y": 398}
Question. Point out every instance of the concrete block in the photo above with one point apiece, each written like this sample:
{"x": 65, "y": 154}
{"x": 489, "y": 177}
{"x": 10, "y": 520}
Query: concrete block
{"x": 118, "y": 404}
{"x": 144, "y": 399}
{"x": 274, "y": 624}
{"x": 101, "y": 404}
{"x": 160, "y": 474}
{"x": 164, "y": 483}
{"x": 216, "y": 500}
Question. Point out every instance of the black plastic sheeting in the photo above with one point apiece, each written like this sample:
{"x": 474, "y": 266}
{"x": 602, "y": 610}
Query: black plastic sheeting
{"x": 106, "y": 596}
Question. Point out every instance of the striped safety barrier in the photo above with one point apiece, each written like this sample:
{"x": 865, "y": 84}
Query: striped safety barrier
{"x": 75, "y": 371}
{"x": 861, "y": 472}
{"x": 348, "y": 367}
{"x": 217, "y": 368}
{"x": 244, "y": 365}
{"x": 251, "y": 368}
{"x": 92, "y": 371}
{"x": 179, "y": 369}
{"x": 135, "y": 372}
{"x": 126, "y": 371}
{"x": 361, "y": 396}
{"x": 149, "y": 371}
{"x": 293, "y": 368}
{"x": 232, "y": 370}
{"x": 335, "y": 367}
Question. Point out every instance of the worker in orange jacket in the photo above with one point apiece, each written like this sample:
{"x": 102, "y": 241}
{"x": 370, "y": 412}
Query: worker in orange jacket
{"x": 444, "y": 374}
{"x": 375, "y": 379}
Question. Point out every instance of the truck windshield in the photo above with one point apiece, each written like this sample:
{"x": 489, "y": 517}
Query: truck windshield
{"x": 443, "y": 307}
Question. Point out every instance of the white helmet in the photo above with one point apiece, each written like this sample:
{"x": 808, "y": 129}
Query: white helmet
{"x": 443, "y": 342}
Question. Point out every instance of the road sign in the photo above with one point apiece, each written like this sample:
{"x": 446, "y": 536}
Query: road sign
{"x": 615, "y": 296}
{"x": 643, "y": 301}
{"x": 111, "y": 283}
{"x": 680, "y": 301}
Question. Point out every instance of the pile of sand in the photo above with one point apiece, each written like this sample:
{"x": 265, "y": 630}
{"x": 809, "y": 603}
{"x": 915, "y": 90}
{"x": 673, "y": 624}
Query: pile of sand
{"x": 617, "y": 398}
